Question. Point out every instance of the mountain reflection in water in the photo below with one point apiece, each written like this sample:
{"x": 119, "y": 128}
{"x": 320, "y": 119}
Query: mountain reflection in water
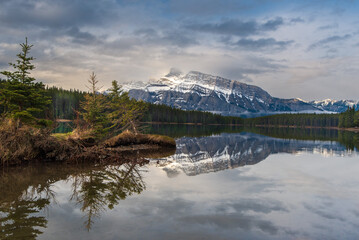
{"x": 300, "y": 195}
{"x": 197, "y": 155}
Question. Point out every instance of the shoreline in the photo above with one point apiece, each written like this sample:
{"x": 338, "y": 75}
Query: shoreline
{"x": 352, "y": 129}
{"x": 356, "y": 130}
{"x": 41, "y": 148}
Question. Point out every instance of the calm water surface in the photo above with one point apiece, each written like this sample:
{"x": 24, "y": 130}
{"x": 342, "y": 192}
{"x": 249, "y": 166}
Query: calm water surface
{"x": 229, "y": 185}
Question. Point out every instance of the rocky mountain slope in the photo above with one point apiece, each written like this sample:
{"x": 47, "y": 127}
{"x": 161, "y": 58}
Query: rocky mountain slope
{"x": 334, "y": 105}
{"x": 204, "y": 92}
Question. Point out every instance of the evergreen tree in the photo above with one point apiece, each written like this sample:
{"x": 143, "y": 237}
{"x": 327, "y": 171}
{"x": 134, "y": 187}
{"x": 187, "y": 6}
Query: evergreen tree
{"x": 116, "y": 101}
{"x": 133, "y": 113}
{"x": 356, "y": 119}
{"x": 21, "y": 97}
{"x": 125, "y": 112}
{"x": 94, "y": 108}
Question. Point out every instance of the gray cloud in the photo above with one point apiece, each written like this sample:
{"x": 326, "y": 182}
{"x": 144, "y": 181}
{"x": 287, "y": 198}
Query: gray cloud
{"x": 272, "y": 25}
{"x": 168, "y": 209}
{"x": 55, "y": 14}
{"x": 134, "y": 40}
{"x": 207, "y": 7}
{"x": 179, "y": 39}
{"x": 356, "y": 213}
{"x": 150, "y": 36}
{"x": 230, "y": 221}
{"x": 338, "y": 10}
{"x": 238, "y": 27}
{"x": 259, "y": 205}
{"x": 329, "y": 26}
{"x": 80, "y": 36}
{"x": 323, "y": 212}
{"x": 247, "y": 68}
{"x": 297, "y": 20}
{"x": 3, "y": 62}
{"x": 262, "y": 44}
{"x": 328, "y": 40}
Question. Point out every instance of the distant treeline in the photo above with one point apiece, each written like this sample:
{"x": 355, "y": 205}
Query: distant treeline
{"x": 164, "y": 113}
{"x": 347, "y": 119}
{"x": 298, "y": 120}
{"x": 65, "y": 103}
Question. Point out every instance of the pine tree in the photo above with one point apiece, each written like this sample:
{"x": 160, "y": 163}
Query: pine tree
{"x": 22, "y": 98}
{"x": 117, "y": 106}
{"x": 94, "y": 108}
{"x": 356, "y": 119}
{"x": 125, "y": 112}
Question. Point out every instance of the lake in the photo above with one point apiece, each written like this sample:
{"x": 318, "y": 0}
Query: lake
{"x": 221, "y": 183}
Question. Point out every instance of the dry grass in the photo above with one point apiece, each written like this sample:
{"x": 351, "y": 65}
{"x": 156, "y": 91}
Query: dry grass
{"x": 128, "y": 138}
{"x": 61, "y": 136}
{"x": 24, "y": 144}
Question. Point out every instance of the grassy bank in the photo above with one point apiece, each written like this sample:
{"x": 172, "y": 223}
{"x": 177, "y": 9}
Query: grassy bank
{"x": 29, "y": 145}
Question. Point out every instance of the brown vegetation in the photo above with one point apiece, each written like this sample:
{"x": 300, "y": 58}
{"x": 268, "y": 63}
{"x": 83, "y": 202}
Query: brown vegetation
{"x": 24, "y": 144}
{"x": 128, "y": 138}
{"x": 20, "y": 145}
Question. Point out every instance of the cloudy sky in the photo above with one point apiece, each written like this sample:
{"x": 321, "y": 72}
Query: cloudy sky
{"x": 306, "y": 48}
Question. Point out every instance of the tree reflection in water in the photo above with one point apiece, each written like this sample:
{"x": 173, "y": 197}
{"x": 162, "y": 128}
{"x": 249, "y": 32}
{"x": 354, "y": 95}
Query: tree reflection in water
{"x": 97, "y": 190}
{"x": 26, "y": 193}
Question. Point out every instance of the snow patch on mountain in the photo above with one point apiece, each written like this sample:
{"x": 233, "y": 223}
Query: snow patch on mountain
{"x": 335, "y": 105}
{"x": 205, "y": 92}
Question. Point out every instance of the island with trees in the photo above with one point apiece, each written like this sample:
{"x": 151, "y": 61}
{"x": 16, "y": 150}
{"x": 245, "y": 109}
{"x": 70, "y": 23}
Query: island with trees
{"x": 105, "y": 125}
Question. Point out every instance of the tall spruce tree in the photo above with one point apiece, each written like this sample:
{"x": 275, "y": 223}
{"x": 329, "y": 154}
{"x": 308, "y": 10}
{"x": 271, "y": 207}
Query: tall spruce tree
{"x": 117, "y": 106}
{"x": 22, "y": 98}
{"x": 125, "y": 112}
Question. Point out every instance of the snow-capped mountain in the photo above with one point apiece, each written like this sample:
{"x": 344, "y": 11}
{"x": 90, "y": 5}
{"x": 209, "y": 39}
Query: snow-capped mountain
{"x": 204, "y": 92}
{"x": 225, "y": 151}
{"x": 334, "y": 105}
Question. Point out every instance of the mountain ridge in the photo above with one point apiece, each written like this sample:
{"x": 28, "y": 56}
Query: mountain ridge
{"x": 205, "y": 92}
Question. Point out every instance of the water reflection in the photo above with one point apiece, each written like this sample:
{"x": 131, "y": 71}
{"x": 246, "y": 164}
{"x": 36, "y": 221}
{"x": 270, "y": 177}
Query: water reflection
{"x": 27, "y": 192}
{"x": 19, "y": 220}
{"x": 98, "y": 190}
{"x": 310, "y": 193}
{"x": 197, "y": 155}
